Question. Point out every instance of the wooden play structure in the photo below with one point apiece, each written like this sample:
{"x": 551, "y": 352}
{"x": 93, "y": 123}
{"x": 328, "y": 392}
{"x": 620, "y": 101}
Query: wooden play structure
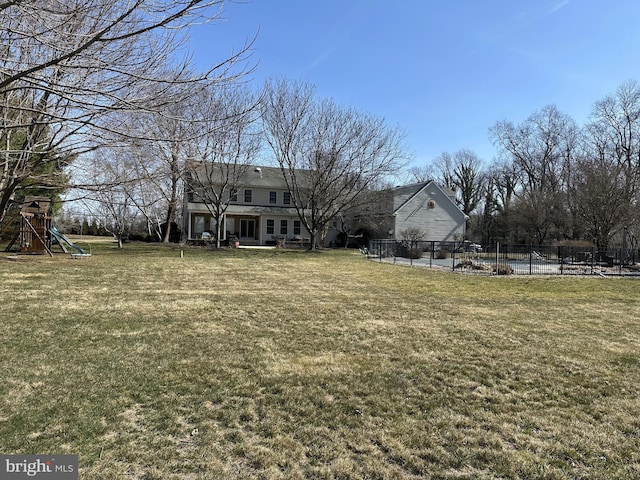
{"x": 33, "y": 231}
{"x": 36, "y": 234}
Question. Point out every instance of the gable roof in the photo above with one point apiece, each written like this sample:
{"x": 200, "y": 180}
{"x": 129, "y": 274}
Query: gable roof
{"x": 419, "y": 188}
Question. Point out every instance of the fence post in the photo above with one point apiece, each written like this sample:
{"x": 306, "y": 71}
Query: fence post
{"x": 620, "y": 263}
{"x": 530, "y": 259}
{"x": 410, "y": 254}
{"x": 432, "y": 253}
{"x": 497, "y": 258}
{"x": 453, "y": 257}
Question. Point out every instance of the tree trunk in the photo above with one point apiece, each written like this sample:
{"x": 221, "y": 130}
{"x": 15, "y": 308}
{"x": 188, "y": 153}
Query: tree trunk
{"x": 218, "y": 232}
{"x": 170, "y": 213}
{"x": 313, "y": 237}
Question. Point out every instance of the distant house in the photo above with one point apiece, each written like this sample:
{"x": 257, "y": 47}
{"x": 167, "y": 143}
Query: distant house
{"x": 260, "y": 212}
{"x": 424, "y": 206}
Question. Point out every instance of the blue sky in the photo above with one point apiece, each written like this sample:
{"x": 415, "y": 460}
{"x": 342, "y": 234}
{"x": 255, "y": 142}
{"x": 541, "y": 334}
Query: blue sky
{"x": 445, "y": 71}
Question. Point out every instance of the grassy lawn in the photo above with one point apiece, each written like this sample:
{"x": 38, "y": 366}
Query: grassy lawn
{"x": 272, "y": 364}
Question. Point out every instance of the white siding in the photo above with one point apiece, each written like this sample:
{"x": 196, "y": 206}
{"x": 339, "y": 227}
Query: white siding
{"x": 432, "y": 212}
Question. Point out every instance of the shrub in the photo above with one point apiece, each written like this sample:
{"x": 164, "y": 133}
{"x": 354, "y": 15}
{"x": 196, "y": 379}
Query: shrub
{"x": 469, "y": 264}
{"x": 442, "y": 254}
{"x": 412, "y": 235}
{"x": 405, "y": 251}
{"x": 137, "y": 237}
{"x": 464, "y": 264}
{"x": 503, "y": 269}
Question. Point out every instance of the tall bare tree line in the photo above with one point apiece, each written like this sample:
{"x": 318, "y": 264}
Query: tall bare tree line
{"x": 71, "y": 69}
{"x": 552, "y": 180}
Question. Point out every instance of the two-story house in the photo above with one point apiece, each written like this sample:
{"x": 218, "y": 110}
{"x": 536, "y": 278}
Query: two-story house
{"x": 260, "y": 211}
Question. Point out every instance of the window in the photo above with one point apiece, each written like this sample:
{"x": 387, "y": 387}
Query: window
{"x": 283, "y": 227}
{"x": 286, "y": 198}
{"x": 296, "y": 227}
{"x": 271, "y": 224}
{"x": 233, "y": 195}
{"x": 248, "y": 195}
{"x": 198, "y": 224}
{"x": 273, "y": 197}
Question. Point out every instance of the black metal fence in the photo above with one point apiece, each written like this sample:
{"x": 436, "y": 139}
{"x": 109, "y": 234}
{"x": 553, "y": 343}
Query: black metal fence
{"x": 506, "y": 259}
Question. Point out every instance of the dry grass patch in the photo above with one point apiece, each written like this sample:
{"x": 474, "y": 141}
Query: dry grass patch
{"x": 276, "y": 364}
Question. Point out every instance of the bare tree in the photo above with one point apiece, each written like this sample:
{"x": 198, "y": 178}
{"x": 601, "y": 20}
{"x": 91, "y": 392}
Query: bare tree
{"x": 150, "y": 185}
{"x": 616, "y": 125}
{"x": 113, "y": 201}
{"x": 462, "y": 172}
{"x": 469, "y": 180}
{"x": 602, "y": 186}
{"x": 600, "y": 193}
{"x": 542, "y": 148}
{"x": 329, "y": 155}
{"x": 421, "y": 174}
{"x": 66, "y": 66}
{"x": 502, "y": 183}
{"x": 442, "y": 167}
{"x": 225, "y": 143}
{"x": 484, "y": 223}
{"x": 505, "y": 179}
{"x": 161, "y": 150}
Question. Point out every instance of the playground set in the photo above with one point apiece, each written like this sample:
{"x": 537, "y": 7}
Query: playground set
{"x": 36, "y": 234}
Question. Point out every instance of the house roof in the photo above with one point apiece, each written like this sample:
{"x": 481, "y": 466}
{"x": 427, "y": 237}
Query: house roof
{"x": 419, "y": 187}
{"x": 252, "y": 175}
{"x": 258, "y": 176}
{"x": 265, "y": 177}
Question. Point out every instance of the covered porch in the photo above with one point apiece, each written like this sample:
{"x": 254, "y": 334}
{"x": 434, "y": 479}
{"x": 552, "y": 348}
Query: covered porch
{"x": 243, "y": 227}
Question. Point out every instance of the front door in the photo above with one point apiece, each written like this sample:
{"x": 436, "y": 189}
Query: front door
{"x": 247, "y": 229}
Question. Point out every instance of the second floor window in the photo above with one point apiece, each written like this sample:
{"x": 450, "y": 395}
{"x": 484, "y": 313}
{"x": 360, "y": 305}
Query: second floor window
{"x": 248, "y": 195}
{"x": 286, "y": 198}
{"x": 233, "y": 195}
{"x": 273, "y": 197}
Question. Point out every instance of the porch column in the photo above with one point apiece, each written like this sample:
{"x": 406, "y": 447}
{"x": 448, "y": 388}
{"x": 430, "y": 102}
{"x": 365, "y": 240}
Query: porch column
{"x": 257, "y": 229}
{"x": 223, "y": 226}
